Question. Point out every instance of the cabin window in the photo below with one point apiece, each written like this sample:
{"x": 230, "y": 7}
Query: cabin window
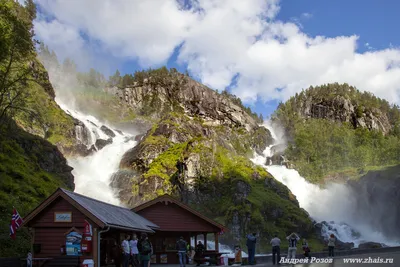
{"x": 170, "y": 244}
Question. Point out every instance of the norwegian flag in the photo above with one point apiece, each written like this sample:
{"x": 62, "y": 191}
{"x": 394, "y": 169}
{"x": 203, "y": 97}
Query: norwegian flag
{"x": 16, "y": 221}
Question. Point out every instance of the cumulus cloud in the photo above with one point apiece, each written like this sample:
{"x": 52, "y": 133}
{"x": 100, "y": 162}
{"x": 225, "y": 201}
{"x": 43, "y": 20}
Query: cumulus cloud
{"x": 220, "y": 41}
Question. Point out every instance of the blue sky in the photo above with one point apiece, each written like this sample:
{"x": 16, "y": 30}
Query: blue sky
{"x": 375, "y": 22}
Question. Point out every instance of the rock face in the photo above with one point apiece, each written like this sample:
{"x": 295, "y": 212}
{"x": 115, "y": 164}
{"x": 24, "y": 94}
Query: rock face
{"x": 107, "y": 131}
{"x": 178, "y": 92}
{"x": 342, "y": 103}
{"x": 341, "y": 109}
{"x": 339, "y": 245}
{"x": 377, "y": 196}
{"x": 100, "y": 143}
{"x": 369, "y": 245}
{"x": 207, "y": 167}
{"x": 185, "y": 133}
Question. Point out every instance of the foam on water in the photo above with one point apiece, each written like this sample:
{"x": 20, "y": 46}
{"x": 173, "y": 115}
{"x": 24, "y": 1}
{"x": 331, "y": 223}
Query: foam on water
{"x": 335, "y": 203}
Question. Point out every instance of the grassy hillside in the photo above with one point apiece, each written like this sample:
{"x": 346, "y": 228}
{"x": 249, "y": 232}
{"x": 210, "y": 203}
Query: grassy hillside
{"x": 326, "y": 146}
{"x": 30, "y": 170}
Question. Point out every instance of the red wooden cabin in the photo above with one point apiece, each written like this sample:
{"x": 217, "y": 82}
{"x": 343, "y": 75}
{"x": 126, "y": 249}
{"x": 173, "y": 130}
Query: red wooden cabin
{"x": 62, "y": 217}
{"x": 176, "y": 219}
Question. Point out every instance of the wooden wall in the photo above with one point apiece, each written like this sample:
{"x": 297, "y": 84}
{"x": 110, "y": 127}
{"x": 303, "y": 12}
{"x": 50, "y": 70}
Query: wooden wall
{"x": 172, "y": 217}
{"x": 51, "y": 235}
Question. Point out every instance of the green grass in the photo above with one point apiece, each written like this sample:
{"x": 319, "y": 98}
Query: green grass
{"x": 23, "y": 184}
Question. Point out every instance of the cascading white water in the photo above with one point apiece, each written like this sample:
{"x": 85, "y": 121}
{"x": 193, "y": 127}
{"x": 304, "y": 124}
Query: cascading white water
{"x": 335, "y": 203}
{"x": 93, "y": 173}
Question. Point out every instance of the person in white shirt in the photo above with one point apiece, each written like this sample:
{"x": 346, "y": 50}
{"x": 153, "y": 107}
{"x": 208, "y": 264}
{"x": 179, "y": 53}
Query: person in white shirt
{"x": 276, "y": 249}
{"x": 292, "y": 238}
{"x": 134, "y": 250}
{"x": 126, "y": 252}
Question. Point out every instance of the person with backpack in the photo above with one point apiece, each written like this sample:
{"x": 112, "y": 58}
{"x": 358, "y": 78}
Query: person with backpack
{"x": 145, "y": 250}
{"x": 181, "y": 247}
{"x": 251, "y": 247}
{"x": 126, "y": 252}
{"x": 276, "y": 249}
{"x": 292, "y": 238}
{"x": 200, "y": 248}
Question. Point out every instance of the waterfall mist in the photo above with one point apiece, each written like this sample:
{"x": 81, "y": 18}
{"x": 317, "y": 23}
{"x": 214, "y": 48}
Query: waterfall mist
{"x": 92, "y": 173}
{"x": 335, "y": 204}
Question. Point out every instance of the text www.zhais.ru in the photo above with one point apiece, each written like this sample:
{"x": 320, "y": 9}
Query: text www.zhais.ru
{"x": 368, "y": 260}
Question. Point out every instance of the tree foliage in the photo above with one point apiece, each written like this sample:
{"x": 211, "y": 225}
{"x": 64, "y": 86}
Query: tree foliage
{"x": 320, "y": 147}
{"x": 17, "y": 53}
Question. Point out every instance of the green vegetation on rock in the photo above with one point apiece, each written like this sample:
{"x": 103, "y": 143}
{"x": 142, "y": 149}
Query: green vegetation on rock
{"x": 209, "y": 167}
{"x": 334, "y": 139}
{"x": 30, "y": 170}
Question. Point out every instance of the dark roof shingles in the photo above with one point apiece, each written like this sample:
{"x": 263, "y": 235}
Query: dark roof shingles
{"x": 113, "y": 215}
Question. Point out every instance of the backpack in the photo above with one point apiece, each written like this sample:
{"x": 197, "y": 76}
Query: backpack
{"x": 146, "y": 247}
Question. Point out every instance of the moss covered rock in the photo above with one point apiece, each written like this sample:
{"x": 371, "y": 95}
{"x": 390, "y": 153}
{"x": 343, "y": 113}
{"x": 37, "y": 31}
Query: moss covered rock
{"x": 208, "y": 167}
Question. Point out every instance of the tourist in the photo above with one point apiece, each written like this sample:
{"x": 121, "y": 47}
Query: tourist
{"x": 306, "y": 249}
{"x": 292, "y": 238}
{"x": 151, "y": 252}
{"x": 191, "y": 253}
{"x": 134, "y": 251}
{"x": 181, "y": 247}
{"x": 331, "y": 245}
{"x": 200, "y": 248}
{"x": 251, "y": 247}
{"x": 125, "y": 251}
{"x": 276, "y": 249}
{"x": 145, "y": 250}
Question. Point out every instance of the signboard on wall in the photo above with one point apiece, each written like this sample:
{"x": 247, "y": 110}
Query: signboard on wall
{"x": 163, "y": 258}
{"x": 153, "y": 259}
{"x": 73, "y": 244}
{"x": 62, "y": 216}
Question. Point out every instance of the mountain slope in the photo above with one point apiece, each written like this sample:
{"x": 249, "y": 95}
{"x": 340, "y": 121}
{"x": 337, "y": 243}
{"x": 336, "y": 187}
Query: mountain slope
{"x": 336, "y": 131}
{"x": 198, "y": 149}
{"x": 31, "y": 168}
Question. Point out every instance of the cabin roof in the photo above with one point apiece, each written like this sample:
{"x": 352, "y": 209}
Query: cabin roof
{"x": 168, "y": 199}
{"x": 103, "y": 214}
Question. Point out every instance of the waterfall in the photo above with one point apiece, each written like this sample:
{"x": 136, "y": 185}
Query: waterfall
{"x": 334, "y": 205}
{"x": 93, "y": 173}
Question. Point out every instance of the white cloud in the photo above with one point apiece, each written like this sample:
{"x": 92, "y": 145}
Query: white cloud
{"x": 221, "y": 39}
{"x": 306, "y": 15}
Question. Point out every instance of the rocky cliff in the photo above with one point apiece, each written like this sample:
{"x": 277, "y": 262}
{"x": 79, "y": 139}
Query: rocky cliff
{"x": 337, "y": 129}
{"x": 162, "y": 91}
{"x": 197, "y": 147}
{"x": 342, "y": 103}
{"x": 376, "y": 195}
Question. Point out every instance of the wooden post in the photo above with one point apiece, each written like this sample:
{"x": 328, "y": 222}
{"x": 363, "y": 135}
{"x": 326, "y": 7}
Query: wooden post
{"x": 95, "y": 247}
{"x": 205, "y": 241}
{"x": 195, "y": 240}
{"x": 216, "y": 242}
{"x": 32, "y": 230}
